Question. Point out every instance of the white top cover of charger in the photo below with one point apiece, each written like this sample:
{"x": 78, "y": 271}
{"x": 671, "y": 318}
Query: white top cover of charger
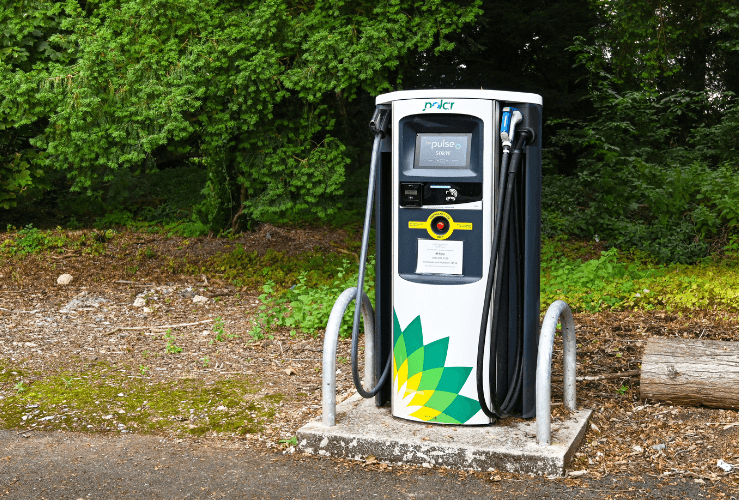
{"x": 493, "y": 95}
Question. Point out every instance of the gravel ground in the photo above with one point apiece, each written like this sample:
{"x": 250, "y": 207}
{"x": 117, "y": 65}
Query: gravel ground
{"x": 62, "y": 465}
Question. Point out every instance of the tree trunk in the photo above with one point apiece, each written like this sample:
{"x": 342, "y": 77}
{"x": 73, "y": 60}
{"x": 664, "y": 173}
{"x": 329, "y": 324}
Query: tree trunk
{"x": 691, "y": 372}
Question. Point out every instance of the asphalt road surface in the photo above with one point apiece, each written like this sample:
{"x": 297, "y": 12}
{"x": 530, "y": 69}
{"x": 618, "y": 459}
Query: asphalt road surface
{"x": 74, "y": 466}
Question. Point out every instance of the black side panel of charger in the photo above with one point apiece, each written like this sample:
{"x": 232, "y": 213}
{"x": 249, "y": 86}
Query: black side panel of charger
{"x": 532, "y": 114}
{"x": 383, "y": 266}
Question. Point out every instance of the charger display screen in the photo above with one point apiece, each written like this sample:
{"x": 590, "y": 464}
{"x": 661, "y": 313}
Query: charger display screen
{"x": 442, "y": 150}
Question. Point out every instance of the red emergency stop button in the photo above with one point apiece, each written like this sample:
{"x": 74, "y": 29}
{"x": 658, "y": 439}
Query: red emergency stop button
{"x": 440, "y": 225}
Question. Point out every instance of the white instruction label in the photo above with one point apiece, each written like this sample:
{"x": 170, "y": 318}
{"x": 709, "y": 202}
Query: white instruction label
{"x": 439, "y": 257}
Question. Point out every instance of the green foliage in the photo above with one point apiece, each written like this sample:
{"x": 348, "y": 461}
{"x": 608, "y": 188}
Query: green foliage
{"x": 244, "y": 268}
{"x": 16, "y": 173}
{"x": 571, "y": 270}
{"x": 293, "y": 441}
{"x": 593, "y": 284}
{"x": 657, "y": 45}
{"x": 31, "y": 240}
{"x": 163, "y": 201}
{"x": 111, "y": 90}
{"x": 653, "y": 165}
{"x": 614, "y": 281}
{"x": 631, "y": 190}
{"x": 25, "y": 29}
{"x": 306, "y": 306}
{"x": 117, "y": 218}
{"x": 171, "y": 347}
{"x": 219, "y": 330}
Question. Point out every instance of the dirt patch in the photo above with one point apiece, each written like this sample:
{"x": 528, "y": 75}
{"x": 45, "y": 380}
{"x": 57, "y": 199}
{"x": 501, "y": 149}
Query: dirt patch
{"x": 188, "y": 367}
{"x": 150, "y": 334}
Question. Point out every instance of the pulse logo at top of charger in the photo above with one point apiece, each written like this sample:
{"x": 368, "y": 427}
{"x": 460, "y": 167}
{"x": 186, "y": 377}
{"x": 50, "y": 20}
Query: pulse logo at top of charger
{"x": 438, "y": 105}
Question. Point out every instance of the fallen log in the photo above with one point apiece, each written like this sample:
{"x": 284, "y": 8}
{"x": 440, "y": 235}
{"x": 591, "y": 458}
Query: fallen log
{"x": 604, "y": 376}
{"x": 691, "y": 372}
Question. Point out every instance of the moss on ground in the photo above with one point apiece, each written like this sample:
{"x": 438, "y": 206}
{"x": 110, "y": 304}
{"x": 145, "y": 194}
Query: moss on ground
{"x": 101, "y": 397}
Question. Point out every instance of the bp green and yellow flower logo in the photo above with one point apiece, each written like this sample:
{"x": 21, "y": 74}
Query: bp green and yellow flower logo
{"x": 419, "y": 374}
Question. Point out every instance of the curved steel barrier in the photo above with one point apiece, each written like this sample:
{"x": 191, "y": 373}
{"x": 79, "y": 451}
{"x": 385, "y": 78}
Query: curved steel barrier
{"x": 558, "y": 311}
{"x": 329, "y": 350}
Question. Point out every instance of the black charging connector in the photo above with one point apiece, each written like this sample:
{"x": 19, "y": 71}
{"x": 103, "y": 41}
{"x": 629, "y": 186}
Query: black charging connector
{"x": 380, "y": 122}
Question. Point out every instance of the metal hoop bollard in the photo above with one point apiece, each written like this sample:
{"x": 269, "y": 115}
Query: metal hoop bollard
{"x": 559, "y": 310}
{"x": 329, "y": 350}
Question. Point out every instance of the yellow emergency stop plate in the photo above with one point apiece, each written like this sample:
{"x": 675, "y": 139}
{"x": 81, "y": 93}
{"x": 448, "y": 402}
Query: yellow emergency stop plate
{"x": 464, "y": 226}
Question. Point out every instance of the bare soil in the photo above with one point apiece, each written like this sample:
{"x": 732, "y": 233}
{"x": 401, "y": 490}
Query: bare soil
{"x": 46, "y": 328}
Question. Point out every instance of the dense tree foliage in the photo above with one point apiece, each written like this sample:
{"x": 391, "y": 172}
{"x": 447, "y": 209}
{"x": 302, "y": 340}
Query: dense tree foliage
{"x": 655, "y": 163}
{"x": 266, "y": 104}
{"x": 106, "y": 90}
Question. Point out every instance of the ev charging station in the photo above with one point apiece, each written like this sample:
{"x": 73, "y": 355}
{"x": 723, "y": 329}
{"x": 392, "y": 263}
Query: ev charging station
{"x": 438, "y": 195}
{"x": 455, "y": 193}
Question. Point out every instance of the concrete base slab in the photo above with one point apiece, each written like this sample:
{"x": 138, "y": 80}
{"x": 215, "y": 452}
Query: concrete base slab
{"x": 364, "y": 430}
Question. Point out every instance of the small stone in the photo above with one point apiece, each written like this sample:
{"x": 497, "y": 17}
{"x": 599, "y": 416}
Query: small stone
{"x": 577, "y": 473}
{"x": 199, "y": 299}
{"x": 727, "y": 467}
{"x": 659, "y": 447}
{"x": 64, "y": 279}
{"x": 221, "y": 408}
{"x": 637, "y": 448}
{"x": 147, "y": 309}
{"x": 139, "y": 302}
{"x": 120, "y": 394}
